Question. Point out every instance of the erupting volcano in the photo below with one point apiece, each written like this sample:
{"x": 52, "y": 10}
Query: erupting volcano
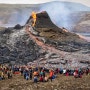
{"x": 40, "y": 42}
{"x": 38, "y": 39}
{"x": 44, "y": 49}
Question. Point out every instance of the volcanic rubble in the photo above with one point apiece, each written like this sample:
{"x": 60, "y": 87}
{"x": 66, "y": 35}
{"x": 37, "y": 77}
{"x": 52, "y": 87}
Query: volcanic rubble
{"x": 59, "y": 46}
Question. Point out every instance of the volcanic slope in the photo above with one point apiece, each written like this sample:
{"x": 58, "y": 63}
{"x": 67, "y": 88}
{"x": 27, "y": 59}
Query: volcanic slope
{"x": 45, "y": 42}
{"x": 54, "y": 43}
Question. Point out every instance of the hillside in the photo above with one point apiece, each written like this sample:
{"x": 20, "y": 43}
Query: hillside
{"x": 83, "y": 25}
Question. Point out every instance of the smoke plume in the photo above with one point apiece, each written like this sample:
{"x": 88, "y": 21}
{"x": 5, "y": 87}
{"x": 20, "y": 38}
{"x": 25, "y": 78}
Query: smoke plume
{"x": 58, "y": 13}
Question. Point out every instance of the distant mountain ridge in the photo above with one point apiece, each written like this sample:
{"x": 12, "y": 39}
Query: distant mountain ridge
{"x": 10, "y": 15}
{"x": 73, "y": 6}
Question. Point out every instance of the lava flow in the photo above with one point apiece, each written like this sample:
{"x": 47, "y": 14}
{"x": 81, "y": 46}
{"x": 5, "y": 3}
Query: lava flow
{"x": 85, "y": 38}
{"x": 45, "y": 47}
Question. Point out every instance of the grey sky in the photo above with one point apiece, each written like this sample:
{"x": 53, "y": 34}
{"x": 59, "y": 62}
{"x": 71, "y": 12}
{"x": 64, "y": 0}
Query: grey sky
{"x": 85, "y": 2}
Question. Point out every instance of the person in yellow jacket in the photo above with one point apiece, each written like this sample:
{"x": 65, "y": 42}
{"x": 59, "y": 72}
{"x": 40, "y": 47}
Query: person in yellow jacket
{"x": 2, "y": 75}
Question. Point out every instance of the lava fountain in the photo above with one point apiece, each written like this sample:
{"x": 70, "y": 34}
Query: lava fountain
{"x": 34, "y": 18}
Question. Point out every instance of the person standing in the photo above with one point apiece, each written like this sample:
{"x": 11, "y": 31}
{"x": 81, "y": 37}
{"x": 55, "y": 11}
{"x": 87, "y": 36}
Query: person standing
{"x": 51, "y": 75}
{"x": 30, "y": 73}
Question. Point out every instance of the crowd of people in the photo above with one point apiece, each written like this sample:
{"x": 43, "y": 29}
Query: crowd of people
{"x": 40, "y": 74}
{"x": 5, "y": 72}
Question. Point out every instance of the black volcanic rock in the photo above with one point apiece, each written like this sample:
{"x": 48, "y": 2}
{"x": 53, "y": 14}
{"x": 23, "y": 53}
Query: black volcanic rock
{"x": 17, "y": 45}
{"x": 44, "y": 21}
{"x": 23, "y": 50}
{"x": 18, "y": 26}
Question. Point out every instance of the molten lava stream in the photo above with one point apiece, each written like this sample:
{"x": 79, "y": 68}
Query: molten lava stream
{"x": 85, "y": 38}
{"x": 36, "y": 39}
{"x": 43, "y": 45}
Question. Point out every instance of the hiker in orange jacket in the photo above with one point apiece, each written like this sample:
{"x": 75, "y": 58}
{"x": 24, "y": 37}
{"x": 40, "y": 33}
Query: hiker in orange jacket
{"x": 51, "y": 74}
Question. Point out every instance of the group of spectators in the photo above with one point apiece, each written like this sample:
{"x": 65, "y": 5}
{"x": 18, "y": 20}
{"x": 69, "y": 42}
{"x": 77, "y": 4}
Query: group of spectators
{"x": 5, "y": 72}
{"x": 40, "y": 74}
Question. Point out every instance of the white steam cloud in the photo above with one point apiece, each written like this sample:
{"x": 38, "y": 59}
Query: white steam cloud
{"x": 61, "y": 13}
{"x": 58, "y": 13}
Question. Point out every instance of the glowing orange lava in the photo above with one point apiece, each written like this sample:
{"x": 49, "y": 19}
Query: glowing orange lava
{"x": 81, "y": 36}
{"x": 34, "y": 18}
{"x": 84, "y": 38}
